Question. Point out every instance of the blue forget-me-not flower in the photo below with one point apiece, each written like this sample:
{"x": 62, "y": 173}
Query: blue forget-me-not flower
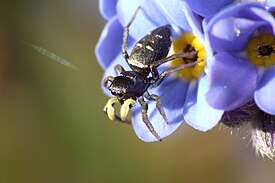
{"x": 182, "y": 94}
{"x": 242, "y": 38}
{"x": 241, "y": 69}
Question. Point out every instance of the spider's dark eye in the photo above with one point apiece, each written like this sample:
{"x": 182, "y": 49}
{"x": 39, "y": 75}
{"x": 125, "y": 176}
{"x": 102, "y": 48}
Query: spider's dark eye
{"x": 120, "y": 95}
{"x": 113, "y": 93}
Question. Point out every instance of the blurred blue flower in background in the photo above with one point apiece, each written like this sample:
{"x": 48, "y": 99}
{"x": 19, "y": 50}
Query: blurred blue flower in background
{"x": 207, "y": 8}
{"x": 242, "y": 68}
{"x": 182, "y": 95}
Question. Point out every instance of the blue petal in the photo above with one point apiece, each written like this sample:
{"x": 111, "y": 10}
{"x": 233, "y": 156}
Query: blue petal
{"x": 206, "y": 8}
{"x": 174, "y": 12}
{"x": 107, "y": 8}
{"x": 207, "y": 47}
{"x": 153, "y": 12}
{"x": 200, "y": 115}
{"x": 232, "y": 82}
{"x": 264, "y": 95}
{"x": 236, "y": 25}
{"x": 147, "y": 19}
{"x": 194, "y": 21}
{"x": 172, "y": 93}
{"x": 110, "y": 43}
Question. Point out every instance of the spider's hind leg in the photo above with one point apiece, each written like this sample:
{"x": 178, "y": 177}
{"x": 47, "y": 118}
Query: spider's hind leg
{"x": 126, "y": 35}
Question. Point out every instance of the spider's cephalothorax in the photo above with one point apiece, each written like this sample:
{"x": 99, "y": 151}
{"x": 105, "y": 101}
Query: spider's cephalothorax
{"x": 129, "y": 84}
{"x": 148, "y": 53}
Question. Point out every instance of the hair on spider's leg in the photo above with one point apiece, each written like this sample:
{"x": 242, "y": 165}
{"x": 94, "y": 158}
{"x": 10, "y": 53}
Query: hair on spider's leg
{"x": 106, "y": 80}
{"x": 119, "y": 69}
{"x": 126, "y": 35}
{"x": 171, "y": 70}
{"x": 145, "y": 119}
{"x": 156, "y": 98}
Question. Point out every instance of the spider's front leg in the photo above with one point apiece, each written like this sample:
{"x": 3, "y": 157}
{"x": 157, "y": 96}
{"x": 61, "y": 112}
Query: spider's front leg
{"x": 119, "y": 69}
{"x": 107, "y": 80}
{"x": 145, "y": 118}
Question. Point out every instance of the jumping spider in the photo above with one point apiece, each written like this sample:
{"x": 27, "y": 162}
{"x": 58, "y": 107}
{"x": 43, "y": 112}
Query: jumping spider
{"x": 148, "y": 53}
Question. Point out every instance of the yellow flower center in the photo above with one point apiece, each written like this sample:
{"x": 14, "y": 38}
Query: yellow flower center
{"x": 188, "y": 43}
{"x": 261, "y": 50}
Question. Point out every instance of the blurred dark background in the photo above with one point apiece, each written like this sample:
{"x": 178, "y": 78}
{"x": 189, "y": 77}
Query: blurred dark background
{"x": 52, "y": 128}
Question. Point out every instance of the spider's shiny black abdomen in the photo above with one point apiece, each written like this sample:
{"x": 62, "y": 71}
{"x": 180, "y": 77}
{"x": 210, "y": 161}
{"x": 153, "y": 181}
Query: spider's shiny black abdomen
{"x": 152, "y": 47}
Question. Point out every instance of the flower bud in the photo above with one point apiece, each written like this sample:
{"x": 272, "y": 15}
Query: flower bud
{"x": 263, "y": 135}
{"x": 240, "y": 116}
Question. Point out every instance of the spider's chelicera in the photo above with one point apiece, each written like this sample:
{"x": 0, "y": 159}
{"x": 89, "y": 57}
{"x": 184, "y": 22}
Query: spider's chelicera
{"x": 128, "y": 86}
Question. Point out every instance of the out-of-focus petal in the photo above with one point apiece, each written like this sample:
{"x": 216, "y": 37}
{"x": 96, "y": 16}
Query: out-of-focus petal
{"x": 206, "y": 8}
{"x": 270, "y": 4}
{"x": 271, "y": 9}
{"x": 264, "y": 95}
{"x": 225, "y": 32}
{"x": 172, "y": 93}
{"x": 200, "y": 115}
{"x": 147, "y": 19}
{"x": 107, "y": 8}
{"x": 232, "y": 82}
{"x": 236, "y": 25}
{"x": 110, "y": 43}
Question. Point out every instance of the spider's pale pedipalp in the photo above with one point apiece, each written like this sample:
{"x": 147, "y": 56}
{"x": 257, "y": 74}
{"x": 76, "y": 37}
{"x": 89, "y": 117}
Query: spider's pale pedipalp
{"x": 109, "y": 109}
